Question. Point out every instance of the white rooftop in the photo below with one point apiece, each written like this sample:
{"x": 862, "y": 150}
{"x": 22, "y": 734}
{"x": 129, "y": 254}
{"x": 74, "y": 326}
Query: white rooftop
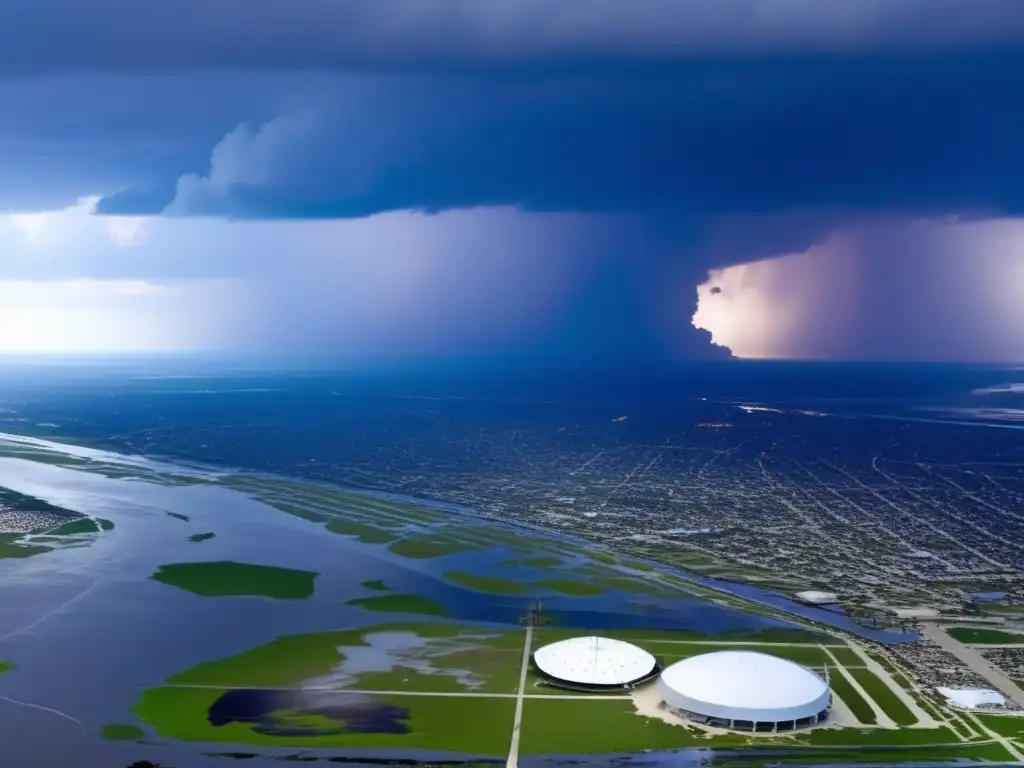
{"x": 594, "y": 661}
{"x": 744, "y": 685}
{"x": 814, "y": 596}
{"x": 972, "y": 698}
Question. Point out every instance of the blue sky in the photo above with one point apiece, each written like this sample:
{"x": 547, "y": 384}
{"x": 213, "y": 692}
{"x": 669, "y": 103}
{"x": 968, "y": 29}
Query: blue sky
{"x": 514, "y": 176}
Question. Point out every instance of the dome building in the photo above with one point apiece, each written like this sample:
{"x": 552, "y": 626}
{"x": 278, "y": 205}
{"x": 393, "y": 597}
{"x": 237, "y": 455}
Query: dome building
{"x": 745, "y": 690}
{"x": 594, "y": 664}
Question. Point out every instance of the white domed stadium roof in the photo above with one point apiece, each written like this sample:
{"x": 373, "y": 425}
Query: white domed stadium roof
{"x": 594, "y": 661}
{"x": 744, "y": 685}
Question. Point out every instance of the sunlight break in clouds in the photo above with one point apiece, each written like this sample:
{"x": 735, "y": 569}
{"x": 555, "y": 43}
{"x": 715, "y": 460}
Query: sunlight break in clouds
{"x": 781, "y": 307}
{"x": 897, "y": 290}
{"x": 76, "y": 316}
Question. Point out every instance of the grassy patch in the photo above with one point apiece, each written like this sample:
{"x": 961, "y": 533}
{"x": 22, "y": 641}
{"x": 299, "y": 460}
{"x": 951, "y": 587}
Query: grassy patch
{"x": 377, "y": 585}
{"x": 678, "y": 641}
{"x": 10, "y": 548}
{"x": 601, "y": 726}
{"x": 197, "y": 537}
{"x": 401, "y": 604}
{"x": 854, "y": 737}
{"x": 367, "y": 534}
{"x": 540, "y": 563}
{"x": 300, "y": 512}
{"x": 1004, "y": 726}
{"x": 422, "y": 549}
{"x": 639, "y": 565}
{"x": 847, "y": 657}
{"x": 489, "y": 584}
{"x": 6, "y": 666}
{"x": 291, "y": 660}
{"x": 844, "y": 689}
{"x": 569, "y": 587}
{"x": 438, "y": 723}
{"x": 637, "y": 586}
{"x": 224, "y": 578}
{"x": 592, "y": 726}
{"x": 884, "y": 696}
{"x": 979, "y": 636}
{"x": 122, "y": 732}
{"x": 82, "y": 525}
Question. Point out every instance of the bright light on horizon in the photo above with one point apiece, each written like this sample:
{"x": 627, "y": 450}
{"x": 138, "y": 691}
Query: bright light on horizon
{"x": 92, "y": 316}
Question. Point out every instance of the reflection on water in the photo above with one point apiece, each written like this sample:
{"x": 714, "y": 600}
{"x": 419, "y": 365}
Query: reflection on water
{"x": 307, "y": 713}
{"x": 387, "y": 650}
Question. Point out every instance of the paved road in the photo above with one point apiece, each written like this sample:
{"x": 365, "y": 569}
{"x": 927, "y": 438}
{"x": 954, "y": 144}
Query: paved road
{"x": 983, "y": 646}
{"x": 975, "y": 662}
{"x": 513, "y": 750}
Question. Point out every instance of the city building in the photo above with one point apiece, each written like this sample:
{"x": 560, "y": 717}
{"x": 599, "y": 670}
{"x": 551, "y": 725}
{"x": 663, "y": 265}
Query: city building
{"x": 594, "y": 664}
{"x": 745, "y": 690}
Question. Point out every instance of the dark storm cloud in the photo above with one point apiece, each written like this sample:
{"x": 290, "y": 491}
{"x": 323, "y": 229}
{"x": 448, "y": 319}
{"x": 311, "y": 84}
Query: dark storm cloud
{"x": 52, "y": 36}
{"x": 920, "y": 134}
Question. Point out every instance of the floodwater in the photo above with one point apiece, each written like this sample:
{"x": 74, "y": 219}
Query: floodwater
{"x": 89, "y": 630}
{"x": 360, "y": 714}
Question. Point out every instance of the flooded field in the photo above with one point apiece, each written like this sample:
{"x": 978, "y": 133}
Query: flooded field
{"x": 207, "y": 613}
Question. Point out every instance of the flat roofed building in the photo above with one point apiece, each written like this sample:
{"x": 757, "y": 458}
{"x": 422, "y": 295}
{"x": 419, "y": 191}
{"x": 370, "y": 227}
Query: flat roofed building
{"x": 745, "y": 690}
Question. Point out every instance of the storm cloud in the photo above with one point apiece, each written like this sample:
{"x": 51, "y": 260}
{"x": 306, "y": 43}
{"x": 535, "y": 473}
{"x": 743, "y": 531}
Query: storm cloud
{"x": 526, "y": 176}
{"x": 921, "y": 135}
{"x": 60, "y": 36}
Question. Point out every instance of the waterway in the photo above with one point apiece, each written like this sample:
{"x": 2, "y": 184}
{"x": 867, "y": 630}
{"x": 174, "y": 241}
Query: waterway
{"x": 89, "y": 630}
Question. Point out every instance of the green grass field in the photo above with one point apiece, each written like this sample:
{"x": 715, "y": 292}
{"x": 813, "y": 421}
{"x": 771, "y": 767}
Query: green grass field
{"x": 490, "y": 584}
{"x": 228, "y": 578}
{"x": 81, "y": 525}
{"x": 426, "y": 548}
{"x": 768, "y": 640}
{"x": 883, "y": 696}
{"x": 122, "y": 732}
{"x": 844, "y": 689}
{"x": 847, "y": 657}
{"x": 980, "y": 636}
{"x": 563, "y": 726}
{"x": 397, "y": 603}
{"x": 460, "y": 659}
{"x": 438, "y": 723}
{"x": 882, "y": 737}
{"x": 570, "y": 587}
{"x": 540, "y": 563}
{"x": 10, "y": 548}
{"x": 1004, "y": 726}
{"x": 290, "y": 660}
{"x": 367, "y": 534}
{"x": 560, "y": 726}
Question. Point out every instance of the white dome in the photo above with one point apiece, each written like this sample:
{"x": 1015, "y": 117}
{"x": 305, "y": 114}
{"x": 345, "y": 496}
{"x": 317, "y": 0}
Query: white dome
{"x": 744, "y": 685}
{"x": 594, "y": 661}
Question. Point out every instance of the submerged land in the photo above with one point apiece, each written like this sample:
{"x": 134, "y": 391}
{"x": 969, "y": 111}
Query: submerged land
{"x": 416, "y": 665}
